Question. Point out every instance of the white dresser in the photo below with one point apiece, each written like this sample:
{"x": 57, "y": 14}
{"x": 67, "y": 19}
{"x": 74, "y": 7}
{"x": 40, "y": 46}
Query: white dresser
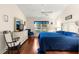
{"x": 22, "y": 34}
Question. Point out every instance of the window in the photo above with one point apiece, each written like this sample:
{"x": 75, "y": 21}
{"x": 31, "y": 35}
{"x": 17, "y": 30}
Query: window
{"x": 41, "y": 26}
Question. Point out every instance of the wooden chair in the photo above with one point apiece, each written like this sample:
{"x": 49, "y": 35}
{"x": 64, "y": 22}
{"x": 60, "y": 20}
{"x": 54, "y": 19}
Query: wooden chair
{"x": 12, "y": 43}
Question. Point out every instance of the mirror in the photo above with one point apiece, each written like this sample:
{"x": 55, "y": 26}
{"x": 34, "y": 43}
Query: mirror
{"x": 18, "y": 24}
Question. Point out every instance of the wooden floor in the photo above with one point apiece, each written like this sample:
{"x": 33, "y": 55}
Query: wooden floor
{"x": 31, "y": 46}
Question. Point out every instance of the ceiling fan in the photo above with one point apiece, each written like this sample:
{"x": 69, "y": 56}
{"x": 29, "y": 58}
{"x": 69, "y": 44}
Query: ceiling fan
{"x": 46, "y": 13}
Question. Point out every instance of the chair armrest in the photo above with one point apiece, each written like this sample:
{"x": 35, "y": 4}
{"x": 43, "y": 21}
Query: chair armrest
{"x": 11, "y": 42}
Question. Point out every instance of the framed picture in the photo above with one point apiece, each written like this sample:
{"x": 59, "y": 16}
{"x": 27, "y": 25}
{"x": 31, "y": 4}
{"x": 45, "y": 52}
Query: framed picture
{"x": 68, "y": 17}
{"x": 77, "y": 23}
{"x": 5, "y": 18}
{"x": 17, "y": 24}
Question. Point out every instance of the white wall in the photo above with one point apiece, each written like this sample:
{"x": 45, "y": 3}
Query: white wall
{"x": 12, "y": 11}
{"x": 69, "y": 25}
{"x": 2, "y": 43}
{"x": 59, "y": 17}
{"x": 56, "y": 22}
{"x": 51, "y": 18}
{"x": 30, "y": 21}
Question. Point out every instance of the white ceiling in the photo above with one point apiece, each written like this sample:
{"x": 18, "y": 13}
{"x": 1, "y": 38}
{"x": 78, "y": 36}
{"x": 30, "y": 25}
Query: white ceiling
{"x": 36, "y": 9}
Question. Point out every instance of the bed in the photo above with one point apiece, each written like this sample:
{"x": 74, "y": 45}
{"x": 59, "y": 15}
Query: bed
{"x": 58, "y": 41}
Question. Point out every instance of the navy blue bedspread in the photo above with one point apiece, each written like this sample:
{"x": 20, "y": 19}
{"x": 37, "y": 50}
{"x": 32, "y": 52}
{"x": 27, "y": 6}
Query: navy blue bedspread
{"x": 56, "y": 41}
